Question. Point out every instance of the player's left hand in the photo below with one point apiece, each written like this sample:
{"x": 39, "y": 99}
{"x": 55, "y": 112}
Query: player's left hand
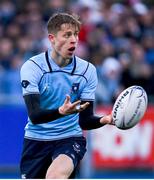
{"x": 107, "y": 119}
{"x": 70, "y": 108}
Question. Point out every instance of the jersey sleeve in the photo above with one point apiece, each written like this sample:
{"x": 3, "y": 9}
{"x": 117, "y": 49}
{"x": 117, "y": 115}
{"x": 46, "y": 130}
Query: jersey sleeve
{"x": 30, "y": 76}
{"x": 88, "y": 92}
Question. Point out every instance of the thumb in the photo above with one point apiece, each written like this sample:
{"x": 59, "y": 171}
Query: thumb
{"x": 67, "y": 100}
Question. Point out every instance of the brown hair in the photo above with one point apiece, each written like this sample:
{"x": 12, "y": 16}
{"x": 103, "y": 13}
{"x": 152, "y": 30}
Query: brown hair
{"x": 55, "y": 21}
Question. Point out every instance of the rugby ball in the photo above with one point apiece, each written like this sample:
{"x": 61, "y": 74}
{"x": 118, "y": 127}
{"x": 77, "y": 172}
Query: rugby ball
{"x": 129, "y": 107}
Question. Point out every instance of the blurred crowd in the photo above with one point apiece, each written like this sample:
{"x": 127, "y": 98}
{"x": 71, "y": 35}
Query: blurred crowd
{"x": 116, "y": 36}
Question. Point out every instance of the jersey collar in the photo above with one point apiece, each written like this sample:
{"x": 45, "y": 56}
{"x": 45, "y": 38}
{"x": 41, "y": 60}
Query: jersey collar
{"x": 54, "y": 67}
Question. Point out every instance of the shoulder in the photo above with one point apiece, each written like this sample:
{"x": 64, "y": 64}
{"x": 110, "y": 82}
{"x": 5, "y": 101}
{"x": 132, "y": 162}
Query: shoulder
{"x": 36, "y": 62}
{"x": 38, "y": 58}
{"x": 84, "y": 66}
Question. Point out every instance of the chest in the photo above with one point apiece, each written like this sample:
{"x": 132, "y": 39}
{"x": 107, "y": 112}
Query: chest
{"x": 54, "y": 86}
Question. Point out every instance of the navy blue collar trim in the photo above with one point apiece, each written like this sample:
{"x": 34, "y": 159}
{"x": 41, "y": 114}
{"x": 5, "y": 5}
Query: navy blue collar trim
{"x": 74, "y": 65}
{"x": 49, "y": 65}
{"x": 47, "y": 59}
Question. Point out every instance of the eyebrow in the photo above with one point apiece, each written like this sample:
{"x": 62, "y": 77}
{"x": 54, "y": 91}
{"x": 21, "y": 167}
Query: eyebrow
{"x": 71, "y": 32}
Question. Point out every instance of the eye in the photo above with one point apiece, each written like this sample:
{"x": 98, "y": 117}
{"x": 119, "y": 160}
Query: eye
{"x": 67, "y": 35}
{"x": 76, "y": 33}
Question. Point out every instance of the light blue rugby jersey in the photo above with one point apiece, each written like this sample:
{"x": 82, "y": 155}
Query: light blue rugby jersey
{"x": 78, "y": 79}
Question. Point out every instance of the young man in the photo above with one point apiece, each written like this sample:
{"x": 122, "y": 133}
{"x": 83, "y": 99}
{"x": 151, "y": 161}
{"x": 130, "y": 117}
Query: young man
{"x": 59, "y": 91}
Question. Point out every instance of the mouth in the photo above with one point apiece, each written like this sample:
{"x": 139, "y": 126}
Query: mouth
{"x": 71, "y": 49}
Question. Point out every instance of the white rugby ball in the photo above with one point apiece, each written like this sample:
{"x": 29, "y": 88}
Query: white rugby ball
{"x": 129, "y": 107}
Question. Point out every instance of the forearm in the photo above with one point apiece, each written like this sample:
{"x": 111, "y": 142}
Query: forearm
{"x": 44, "y": 116}
{"x": 87, "y": 119}
{"x": 38, "y": 115}
{"x": 90, "y": 122}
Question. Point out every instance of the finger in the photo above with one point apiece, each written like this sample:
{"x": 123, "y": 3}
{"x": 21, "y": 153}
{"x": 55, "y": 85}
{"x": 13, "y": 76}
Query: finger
{"x": 80, "y": 108}
{"x": 84, "y": 106}
{"x": 67, "y": 100}
{"x": 76, "y": 103}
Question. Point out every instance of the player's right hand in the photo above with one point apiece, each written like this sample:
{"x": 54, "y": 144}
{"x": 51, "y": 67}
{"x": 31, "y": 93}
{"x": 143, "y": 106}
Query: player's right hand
{"x": 70, "y": 108}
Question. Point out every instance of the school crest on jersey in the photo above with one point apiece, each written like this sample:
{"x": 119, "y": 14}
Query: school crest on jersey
{"x": 75, "y": 87}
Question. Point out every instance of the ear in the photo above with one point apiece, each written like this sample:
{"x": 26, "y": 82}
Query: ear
{"x": 51, "y": 38}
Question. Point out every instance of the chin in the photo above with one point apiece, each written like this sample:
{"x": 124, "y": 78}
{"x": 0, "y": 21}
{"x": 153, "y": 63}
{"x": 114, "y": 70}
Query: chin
{"x": 69, "y": 56}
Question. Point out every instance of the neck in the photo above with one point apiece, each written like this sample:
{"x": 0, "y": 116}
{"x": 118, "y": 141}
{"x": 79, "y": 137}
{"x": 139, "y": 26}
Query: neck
{"x": 59, "y": 60}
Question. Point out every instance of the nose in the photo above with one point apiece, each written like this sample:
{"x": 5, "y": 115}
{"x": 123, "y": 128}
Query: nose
{"x": 74, "y": 39}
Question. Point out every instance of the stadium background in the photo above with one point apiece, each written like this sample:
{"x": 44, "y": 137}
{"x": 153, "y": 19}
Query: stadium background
{"x": 117, "y": 37}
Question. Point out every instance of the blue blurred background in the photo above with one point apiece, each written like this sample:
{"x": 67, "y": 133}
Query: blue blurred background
{"x": 116, "y": 36}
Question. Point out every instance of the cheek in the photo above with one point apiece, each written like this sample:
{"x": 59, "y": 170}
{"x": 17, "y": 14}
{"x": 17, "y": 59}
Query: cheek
{"x": 60, "y": 45}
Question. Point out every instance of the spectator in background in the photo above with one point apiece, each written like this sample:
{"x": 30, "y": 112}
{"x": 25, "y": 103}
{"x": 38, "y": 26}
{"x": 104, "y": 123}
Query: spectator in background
{"x": 108, "y": 78}
{"x": 6, "y": 53}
